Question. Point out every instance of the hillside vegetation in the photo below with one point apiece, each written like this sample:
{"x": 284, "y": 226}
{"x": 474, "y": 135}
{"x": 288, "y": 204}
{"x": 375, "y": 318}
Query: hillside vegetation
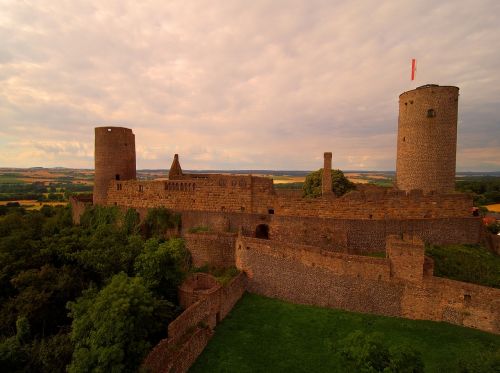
{"x": 468, "y": 263}
{"x": 94, "y": 297}
{"x": 485, "y": 189}
{"x": 268, "y": 335}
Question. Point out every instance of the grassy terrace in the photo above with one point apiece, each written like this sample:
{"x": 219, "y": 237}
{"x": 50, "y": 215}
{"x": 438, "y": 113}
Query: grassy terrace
{"x": 268, "y": 335}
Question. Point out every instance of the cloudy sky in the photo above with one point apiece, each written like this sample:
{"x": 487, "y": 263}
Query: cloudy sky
{"x": 241, "y": 84}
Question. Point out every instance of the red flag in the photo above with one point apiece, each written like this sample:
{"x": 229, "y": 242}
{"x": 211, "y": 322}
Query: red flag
{"x": 413, "y": 68}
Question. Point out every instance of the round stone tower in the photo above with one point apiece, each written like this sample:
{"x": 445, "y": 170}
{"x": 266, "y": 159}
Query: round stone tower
{"x": 114, "y": 159}
{"x": 427, "y": 139}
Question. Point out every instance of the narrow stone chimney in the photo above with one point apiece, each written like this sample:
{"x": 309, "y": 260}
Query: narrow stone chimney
{"x": 326, "y": 182}
{"x": 175, "y": 170}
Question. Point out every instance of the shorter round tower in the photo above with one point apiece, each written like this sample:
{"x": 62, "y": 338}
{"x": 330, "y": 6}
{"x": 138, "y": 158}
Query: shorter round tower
{"x": 427, "y": 139}
{"x": 114, "y": 159}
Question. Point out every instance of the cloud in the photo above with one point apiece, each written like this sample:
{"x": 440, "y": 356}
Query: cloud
{"x": 241, "y": 84}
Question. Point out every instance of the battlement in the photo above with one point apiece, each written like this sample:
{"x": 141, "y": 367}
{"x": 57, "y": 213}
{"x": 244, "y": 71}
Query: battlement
{"x": 251, "y": 194}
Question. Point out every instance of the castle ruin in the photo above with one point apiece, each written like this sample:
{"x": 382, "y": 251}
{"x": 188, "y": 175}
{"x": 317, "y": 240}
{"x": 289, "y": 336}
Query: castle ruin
{"x": 307, "y": 250}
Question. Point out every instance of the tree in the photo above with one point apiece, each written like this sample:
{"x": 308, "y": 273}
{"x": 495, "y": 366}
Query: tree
{"x": 340, "y": 184}
{"x": 110, "y": 328}
{"x": 367, "y": 354}
{"x": 158, "y": 220}
{"x": 163, "y": 265}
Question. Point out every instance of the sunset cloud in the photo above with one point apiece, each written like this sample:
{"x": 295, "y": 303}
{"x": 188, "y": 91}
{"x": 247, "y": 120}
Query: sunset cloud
{"x": 238, "y": 84}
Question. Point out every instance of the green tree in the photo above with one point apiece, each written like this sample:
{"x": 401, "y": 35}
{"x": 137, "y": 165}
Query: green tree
{"x": 163, "y": 265}
{"x": 340, "y": 184}
{"x": 365, "y": 353}
{"x": 158, "y": 220}
{"x": 110, "y": 328}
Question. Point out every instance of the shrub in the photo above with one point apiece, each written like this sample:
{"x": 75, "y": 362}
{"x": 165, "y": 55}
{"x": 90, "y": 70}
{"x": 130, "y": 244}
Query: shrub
{"x": 340, "y": 184}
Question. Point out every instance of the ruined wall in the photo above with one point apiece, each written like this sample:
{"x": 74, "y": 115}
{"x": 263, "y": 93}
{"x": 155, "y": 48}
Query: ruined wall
{"x": 249, "y": 194}
{"x": 197, "y": 287}
{"x": 406, "y": 255}
{"x": 190, "y": 332}
{"x": 427, "y": 139}
{"x": 214, "y": 248}
{"x": 385, "y": 204}
{"x": 459, "y": 303}
{"x": 226, "y": 193}
{"x": 341, "y": 235}
{"x": 78, "y": 206}
{"x": 306, "y": 275}
{"x": 326, "y": 180}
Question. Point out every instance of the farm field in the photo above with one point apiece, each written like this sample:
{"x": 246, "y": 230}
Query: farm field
{"x": 33, "y": 204}
{"x": 494, "y": 208}
{"x": 268, "y": 335}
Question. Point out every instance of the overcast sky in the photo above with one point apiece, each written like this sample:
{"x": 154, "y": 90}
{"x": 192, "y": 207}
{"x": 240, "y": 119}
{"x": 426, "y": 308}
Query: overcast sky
{"x": 241, "y": 84}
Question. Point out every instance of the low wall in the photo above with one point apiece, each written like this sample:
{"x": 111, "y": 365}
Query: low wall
{"x": 214, "y": 248}
{"x": 190, "y": 332}
{"x": 355, "y": 236}
{"x": 192, "y": 316}
{"x": 306, "y": 275}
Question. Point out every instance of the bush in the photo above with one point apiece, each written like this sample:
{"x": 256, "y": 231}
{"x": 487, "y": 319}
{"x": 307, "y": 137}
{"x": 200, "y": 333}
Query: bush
{"x": 366, "y": 353}
{"x": 110, "y": 328}
{"x": 340, "y": 184}
{"x": 158, "y": 220}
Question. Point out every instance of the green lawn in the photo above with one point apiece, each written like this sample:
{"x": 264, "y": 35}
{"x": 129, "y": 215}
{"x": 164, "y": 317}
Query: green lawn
{"x": 268, "y": 335}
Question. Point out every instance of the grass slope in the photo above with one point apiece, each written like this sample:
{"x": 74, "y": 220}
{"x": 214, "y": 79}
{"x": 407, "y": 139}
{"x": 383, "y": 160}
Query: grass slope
{"x": 269, "y": 335}
{"x": 468, "y": 263}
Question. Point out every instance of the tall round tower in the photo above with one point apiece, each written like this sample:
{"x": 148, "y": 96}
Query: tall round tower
{"x": 427, "y": 139}
{"x": 114, "y": 159}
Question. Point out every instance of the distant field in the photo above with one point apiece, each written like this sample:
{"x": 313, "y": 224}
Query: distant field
{"x": 494, "y": 208}
{"x": 268, "y": 335}
{"x": 34, "y": 205}
{"x": 5, "y": 179}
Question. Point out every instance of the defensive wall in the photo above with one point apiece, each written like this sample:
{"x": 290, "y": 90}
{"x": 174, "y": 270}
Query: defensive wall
{"x": 214, "y": 248}
{"x": 341, "y": 235}
{"x": 399, "y": 285}
{"x": 207, "y": 303}
{"x": 251, "y": 194}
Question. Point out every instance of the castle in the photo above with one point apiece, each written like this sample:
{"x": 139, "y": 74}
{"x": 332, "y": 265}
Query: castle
{"x": 423, "y": 204}
{"x": 307, "y": 250}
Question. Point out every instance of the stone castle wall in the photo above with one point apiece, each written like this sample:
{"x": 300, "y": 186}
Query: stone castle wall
{"x": 249, "y": 194}
{"x": 214, "y": 248}
{"x": 190, "y": 332}
{"x": 340, "y": 235}
{"x": 308, "y": 275}
{"x": 427, "y": 139}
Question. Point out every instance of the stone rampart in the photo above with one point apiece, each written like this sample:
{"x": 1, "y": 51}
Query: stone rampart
{"x": 306, "y": 275}
{"x": 341, "y": 235}
{"x": 214, "y": 248}
{"x": 190, "y": 332}
{"x": 250, "y": 194}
